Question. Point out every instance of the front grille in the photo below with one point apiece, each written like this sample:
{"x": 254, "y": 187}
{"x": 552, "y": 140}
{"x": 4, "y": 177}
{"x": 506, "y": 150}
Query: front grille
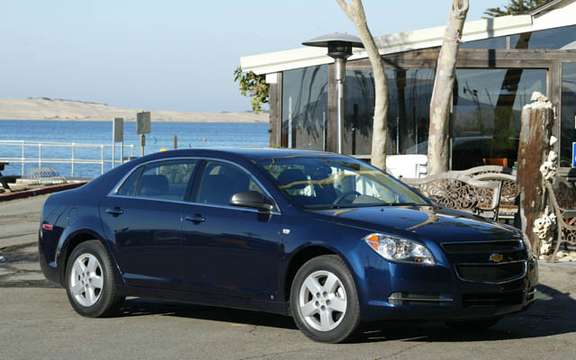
{"x": 483, "y": 247}
{"x": 491, "y": 262}
{"x": 497, "y": 299}
{"x": 491, "y": 273}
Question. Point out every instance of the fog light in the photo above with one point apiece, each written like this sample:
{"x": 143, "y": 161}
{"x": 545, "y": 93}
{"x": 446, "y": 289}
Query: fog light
{"x": 399, "y": 298}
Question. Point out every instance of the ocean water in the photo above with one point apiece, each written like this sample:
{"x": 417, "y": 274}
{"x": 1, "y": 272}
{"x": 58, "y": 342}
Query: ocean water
{"x": 190, "y": 135}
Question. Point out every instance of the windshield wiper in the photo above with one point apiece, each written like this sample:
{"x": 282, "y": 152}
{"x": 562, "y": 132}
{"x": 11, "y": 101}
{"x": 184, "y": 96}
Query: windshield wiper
{"x": 406, "y": 204}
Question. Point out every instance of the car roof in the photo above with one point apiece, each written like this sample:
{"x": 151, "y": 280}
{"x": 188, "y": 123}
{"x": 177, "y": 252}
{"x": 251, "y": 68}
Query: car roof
{"x": 247, "y": 153}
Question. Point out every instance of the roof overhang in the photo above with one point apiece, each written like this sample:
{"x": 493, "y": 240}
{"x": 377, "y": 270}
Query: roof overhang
{"x": 389, "y": 44}
{"x": 554, "y": 14}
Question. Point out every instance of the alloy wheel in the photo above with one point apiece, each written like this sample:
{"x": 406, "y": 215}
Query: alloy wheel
{"x": 322, "y": 301}
{"x": 86, "y": 280}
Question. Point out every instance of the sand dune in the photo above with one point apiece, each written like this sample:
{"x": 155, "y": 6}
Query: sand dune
{"x": 61, "y": 109}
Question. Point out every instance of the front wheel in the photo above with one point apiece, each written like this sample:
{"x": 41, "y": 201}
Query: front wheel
{"x": 324, "y": 300}
{"x": 91, "y": 281}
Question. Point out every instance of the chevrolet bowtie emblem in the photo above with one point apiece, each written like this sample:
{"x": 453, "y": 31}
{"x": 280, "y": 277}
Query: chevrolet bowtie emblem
{"x": 496, "y": 258}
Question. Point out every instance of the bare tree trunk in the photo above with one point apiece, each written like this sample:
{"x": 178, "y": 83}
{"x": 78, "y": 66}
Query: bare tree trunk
{"x": 440, "y": 105}
{"x": 355, "y": 11}
{"x": 533, "y": 154}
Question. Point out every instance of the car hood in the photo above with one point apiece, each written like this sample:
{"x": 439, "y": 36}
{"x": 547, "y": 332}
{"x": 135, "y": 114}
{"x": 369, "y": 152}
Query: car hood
{"x": 437, "y": 224}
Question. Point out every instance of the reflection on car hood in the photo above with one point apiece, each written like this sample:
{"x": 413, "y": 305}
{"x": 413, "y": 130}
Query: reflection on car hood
{"x": 442, "y": 225}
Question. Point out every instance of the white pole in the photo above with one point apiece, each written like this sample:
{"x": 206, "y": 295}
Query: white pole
{"x": 22, "y": 159}
{"x": 101, "y": 159}
{"x": 73, "y": 160}
{"x": 340, "y": 105}
{"x": 39, "y": 156}
{"x": 113, "y": 143}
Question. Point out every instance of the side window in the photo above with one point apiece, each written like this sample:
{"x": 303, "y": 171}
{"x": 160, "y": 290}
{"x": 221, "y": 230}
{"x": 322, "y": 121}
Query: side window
{"x": 220, "y": 181}
{"x": 128, "y": 188}
{"x": 164, "y": 180}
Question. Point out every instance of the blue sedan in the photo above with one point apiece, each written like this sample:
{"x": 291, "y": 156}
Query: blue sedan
{"x": 324, "y": 238}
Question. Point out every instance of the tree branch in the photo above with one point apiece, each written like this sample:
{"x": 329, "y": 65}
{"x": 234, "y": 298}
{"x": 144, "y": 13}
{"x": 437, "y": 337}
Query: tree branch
{"x": 355, "y": 11}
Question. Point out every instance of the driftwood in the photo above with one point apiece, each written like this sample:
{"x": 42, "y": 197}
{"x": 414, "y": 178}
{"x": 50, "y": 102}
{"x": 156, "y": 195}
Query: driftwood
{"x": 533, "y": 153}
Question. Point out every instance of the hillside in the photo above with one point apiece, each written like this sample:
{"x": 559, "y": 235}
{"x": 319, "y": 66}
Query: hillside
{"x": 62, "y": 109}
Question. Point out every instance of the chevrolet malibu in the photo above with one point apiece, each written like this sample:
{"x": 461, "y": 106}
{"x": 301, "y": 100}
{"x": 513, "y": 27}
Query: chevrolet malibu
{"x": 324, "y": 238}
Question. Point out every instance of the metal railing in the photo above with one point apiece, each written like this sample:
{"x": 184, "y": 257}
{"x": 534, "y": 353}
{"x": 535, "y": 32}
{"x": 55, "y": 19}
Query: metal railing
{"x": 40, "y": 154}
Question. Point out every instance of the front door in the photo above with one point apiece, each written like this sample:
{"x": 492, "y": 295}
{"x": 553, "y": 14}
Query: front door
{"x": 233, "y": 251}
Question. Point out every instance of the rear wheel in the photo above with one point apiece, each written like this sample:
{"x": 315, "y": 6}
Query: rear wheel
{"x": 473, "y": 325}
{"x": 91, "y": 281}
{"x": 324, "y": 300}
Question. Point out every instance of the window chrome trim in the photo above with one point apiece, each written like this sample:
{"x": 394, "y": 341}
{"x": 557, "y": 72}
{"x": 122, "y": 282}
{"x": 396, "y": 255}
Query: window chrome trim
{"x": 114, "y": 191}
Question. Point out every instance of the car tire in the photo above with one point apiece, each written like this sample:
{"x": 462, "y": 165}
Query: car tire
{"x": 92, "y": 283}
{"x": 331, "y": 312}
{"x": 473, "y": 325}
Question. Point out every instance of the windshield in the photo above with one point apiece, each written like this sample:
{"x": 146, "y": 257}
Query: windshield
{"x": 337, "y": 182}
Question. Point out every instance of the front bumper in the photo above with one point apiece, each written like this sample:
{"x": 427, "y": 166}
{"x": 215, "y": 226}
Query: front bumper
{"x": 416, "y": 292}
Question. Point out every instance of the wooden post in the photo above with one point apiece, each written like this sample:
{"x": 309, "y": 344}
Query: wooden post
{"x": 534, "y": 148}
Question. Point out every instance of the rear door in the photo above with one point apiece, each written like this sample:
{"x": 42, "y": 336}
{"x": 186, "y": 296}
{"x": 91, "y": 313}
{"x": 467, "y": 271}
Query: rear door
{"x": 233, "y": 252}
{"x": 145, "y": 217}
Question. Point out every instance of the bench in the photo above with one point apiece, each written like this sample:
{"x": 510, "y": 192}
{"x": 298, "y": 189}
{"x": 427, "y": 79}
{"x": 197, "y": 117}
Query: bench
{"x": 459, "y": 191}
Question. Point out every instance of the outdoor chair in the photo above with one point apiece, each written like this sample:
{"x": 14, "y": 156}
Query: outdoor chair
{"x": 509, "y": 193}
{"x": 460, "y": 192}
{"x": 562, "y": 197}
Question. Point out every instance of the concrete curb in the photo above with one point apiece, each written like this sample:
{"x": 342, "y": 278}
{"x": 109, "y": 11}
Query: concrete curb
{"x": 40, "y": 191}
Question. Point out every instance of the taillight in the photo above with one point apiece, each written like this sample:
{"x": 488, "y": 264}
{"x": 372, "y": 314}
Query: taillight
{"x": 47, "y": 227}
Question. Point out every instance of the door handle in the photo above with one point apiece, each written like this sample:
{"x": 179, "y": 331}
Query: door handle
{"x": 196, "y": 219}
{"x": 115, "y": 211}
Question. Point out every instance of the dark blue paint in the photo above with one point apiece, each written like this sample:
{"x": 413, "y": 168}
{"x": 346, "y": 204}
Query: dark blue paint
{"x": 240, "y": 259}
{"x": 574, "y": 154}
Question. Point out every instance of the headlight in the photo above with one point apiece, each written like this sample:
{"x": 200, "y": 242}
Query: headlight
{"x": 399, "y": 250}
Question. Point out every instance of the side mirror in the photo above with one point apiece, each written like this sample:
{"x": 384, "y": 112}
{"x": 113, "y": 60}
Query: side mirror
{"x": 252, "y": 200}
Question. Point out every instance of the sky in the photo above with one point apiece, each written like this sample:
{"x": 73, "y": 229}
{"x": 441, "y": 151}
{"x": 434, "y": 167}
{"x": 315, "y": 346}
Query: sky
{"x": 172, "y": 54}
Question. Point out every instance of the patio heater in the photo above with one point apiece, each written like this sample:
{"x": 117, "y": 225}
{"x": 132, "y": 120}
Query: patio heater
{"x": 339, "y": 47}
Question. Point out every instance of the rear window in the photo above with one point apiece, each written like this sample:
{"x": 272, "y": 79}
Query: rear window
{"x": 166, "y": 180}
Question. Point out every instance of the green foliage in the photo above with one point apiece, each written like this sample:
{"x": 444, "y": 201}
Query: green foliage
{"x": 254, "y": 86}
{"x": 516, "y": 7}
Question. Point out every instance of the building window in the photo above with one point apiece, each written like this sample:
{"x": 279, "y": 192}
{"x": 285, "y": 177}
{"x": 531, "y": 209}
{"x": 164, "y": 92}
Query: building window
{"x": 558, "y": 38}
{"x": 359, "y": 106}
{"x": 492, "y": 43}
{"x": 410, "y": 91}
{"x": 487, "y": 114}
{"x": 568, "y": 113}
{"x": 413, "y": 92}
{"x": 305, "y": 107}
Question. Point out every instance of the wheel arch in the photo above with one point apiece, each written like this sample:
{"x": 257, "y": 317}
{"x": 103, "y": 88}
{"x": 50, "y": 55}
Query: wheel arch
{"x": 72, "y": 241}
{"x": 300, "y": 257}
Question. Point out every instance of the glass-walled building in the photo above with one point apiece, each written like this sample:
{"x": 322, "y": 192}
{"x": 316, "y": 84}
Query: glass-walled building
{"x": 501, "y": 63}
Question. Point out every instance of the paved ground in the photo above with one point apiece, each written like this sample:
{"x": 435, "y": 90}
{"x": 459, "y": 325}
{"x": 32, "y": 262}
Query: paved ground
{"x": 36, "y": 321}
